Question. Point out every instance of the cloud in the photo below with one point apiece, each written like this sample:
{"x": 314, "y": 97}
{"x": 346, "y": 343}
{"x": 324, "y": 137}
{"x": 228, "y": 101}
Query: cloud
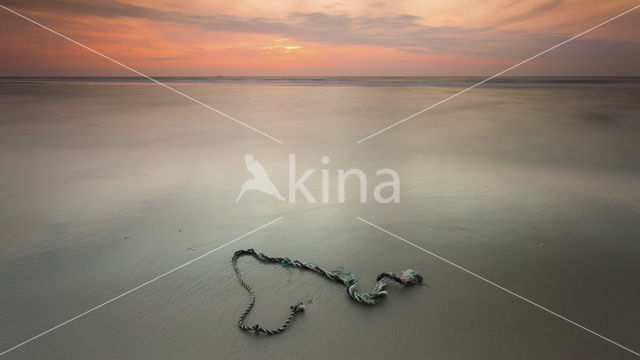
{"x": 530, "y": 13}
{"x": 403, "y": 32}
{"x": 100, "y": 8}
{"x": 166, "y": 58}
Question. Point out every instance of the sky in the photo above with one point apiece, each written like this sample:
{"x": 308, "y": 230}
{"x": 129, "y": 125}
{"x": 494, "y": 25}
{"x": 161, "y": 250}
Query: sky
{"x": 319, "y": 38}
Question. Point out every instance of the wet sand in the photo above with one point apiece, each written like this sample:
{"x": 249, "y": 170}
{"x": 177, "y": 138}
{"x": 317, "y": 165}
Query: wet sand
{"x": 108, "y": 185}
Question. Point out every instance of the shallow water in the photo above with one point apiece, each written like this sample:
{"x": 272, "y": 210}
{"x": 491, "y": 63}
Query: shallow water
{"x": 106, "y": 185}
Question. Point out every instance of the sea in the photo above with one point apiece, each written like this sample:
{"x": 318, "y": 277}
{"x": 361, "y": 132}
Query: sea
{"x": 518, "y": 201}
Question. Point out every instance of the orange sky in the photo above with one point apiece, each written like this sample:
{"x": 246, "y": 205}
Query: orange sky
{"x": 437, "y": 37}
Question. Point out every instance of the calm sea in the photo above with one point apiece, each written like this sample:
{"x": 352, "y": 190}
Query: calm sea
{"x": 533, "y": 183}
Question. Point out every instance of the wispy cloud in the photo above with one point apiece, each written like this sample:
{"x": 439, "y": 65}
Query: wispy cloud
{"x": 402, "y": 31}
{"x": 535, "y": 11}
{"x": 331, "y": 27}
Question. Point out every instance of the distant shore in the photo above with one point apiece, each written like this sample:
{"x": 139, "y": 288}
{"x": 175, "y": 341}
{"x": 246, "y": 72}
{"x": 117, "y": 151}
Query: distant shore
{"x": 459, "y": 81}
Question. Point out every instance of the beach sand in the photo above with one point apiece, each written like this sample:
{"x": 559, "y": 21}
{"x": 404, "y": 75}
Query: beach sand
{"x": 106, "y": 185}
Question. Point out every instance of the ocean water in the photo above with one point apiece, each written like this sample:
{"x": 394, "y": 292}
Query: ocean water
{"x": 530, "y": 183}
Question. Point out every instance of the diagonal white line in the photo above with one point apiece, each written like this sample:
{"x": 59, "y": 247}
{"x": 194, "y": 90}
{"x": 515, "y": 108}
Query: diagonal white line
{"x": 143, "y": 75}
{"x": 499, "y": 287}
{"x": 138, "y": 287}
{"x": 496, "y": 75}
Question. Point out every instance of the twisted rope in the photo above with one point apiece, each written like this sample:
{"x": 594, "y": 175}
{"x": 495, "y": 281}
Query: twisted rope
{"x": 406, "y": 278}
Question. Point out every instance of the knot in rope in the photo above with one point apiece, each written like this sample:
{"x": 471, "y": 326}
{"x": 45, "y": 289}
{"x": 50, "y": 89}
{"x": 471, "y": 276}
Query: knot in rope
{"x": 350, "y": 276}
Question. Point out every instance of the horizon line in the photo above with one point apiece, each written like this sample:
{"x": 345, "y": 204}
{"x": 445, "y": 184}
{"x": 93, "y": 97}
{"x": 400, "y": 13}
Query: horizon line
{"x": 320, "y": 76}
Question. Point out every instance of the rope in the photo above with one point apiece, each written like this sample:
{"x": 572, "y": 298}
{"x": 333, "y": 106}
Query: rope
{"x": 406, "y": 278}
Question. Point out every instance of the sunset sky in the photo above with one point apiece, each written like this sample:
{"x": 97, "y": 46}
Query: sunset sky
{"x": 288, "y": 37}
